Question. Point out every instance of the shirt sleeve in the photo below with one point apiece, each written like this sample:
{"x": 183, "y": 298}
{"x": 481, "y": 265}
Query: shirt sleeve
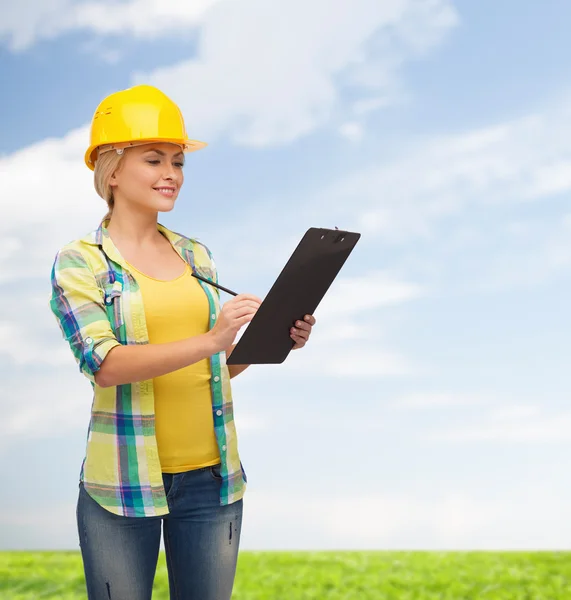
{"x": 77, "y": 303}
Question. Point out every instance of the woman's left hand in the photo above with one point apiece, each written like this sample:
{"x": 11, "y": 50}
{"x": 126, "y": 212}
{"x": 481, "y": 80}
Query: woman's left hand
{"x": 301, "y": 331}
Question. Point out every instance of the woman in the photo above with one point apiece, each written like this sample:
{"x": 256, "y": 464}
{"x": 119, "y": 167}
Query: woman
{"x": 153, "y": 340}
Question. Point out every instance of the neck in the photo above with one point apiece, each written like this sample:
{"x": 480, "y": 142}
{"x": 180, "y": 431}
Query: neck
{"x": 133, "y": 227}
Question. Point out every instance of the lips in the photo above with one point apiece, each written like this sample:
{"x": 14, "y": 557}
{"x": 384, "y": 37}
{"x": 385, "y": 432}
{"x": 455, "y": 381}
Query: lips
{"x": 169, "y": 192}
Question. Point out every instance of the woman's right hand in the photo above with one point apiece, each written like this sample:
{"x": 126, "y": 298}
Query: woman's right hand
{"x": 234, "y": 314}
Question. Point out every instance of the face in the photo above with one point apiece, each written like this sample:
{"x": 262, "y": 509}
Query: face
{"x": 149, "y": 177}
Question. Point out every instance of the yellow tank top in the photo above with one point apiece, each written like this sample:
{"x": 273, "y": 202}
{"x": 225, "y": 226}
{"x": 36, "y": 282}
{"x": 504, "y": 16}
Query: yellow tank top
{"x": 175, "y": 310}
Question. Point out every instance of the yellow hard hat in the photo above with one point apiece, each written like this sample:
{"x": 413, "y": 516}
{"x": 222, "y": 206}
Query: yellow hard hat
{"x": 140, "y": 114}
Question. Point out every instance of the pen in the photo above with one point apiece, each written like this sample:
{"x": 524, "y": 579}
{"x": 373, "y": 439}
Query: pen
{"x": 214, "y": 284}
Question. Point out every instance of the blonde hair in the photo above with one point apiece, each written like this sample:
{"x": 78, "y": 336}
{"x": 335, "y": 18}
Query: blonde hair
{"x": 105, "y": 166}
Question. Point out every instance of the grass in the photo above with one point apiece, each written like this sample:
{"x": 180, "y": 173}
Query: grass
{"x": 328, "y": 576}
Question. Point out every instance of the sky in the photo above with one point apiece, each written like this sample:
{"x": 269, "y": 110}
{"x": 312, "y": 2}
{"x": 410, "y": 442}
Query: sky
{"x": 430, "y": 409}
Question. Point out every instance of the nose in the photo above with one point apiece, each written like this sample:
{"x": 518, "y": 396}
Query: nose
{"x": 170, "y": 172}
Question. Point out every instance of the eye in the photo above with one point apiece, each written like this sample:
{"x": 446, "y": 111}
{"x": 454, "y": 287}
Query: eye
{"x": 180, "y": 165}
{"x": 153, "y": 162}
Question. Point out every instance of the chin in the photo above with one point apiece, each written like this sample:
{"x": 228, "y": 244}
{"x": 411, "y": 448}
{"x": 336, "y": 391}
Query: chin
{"x": 165, "y": 206}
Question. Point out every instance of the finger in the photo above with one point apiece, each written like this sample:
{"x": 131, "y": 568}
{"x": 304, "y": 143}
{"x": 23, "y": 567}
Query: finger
{"x": 247, "y": 297}
{"x": 240, "y": 308}
{"x": 302, "y": 325}
{"x": 299, "y": 342}
{"x": 242, "y": 302}
{"x": 300, "y": 333}
{"x": 240, "y": 313}
{"x": 310, "y": 319}
{"x": 241, "y": 305}
{"x": 242, "y": 321}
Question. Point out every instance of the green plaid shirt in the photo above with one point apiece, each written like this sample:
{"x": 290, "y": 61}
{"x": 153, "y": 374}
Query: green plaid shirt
{"x": 98, "y": 305}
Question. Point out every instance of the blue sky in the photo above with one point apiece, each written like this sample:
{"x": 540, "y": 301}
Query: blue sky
{"x": 431, "y": 409}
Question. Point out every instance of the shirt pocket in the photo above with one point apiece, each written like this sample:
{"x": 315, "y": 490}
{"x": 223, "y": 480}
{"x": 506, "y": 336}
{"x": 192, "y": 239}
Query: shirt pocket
{"x": 113, "y": 299}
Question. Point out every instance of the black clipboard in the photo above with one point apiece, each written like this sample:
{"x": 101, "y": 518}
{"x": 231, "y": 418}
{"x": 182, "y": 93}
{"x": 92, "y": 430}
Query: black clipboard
{"x": 297, "y": 291}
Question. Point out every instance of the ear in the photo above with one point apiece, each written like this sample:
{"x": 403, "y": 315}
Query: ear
{"x": 113, "y": 179}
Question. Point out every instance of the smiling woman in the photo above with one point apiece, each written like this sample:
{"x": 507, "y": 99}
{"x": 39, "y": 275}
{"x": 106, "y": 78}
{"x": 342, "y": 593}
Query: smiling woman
{"x": 153, "y": 340}
{"x": 109, "y": 163}
{"x": 152, "y": 116}
{"x": 138, "y": 172}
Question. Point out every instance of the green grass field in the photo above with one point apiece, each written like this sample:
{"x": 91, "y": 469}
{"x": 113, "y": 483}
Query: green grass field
{"x": 329, "y": 576}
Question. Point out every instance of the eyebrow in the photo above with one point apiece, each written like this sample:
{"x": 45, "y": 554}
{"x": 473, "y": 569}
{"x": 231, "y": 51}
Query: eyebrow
{"x": 161, "y": 153}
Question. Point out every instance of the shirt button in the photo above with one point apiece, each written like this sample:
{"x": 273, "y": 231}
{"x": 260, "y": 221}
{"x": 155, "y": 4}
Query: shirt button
{"x": 224, "y": 448}
{"x": 88, "y": 341}
{"x": 219, "y": 412}
{"x": 217, "y": 379}
{"x": 213, "y": 316}
{"x": 108, "y": 300}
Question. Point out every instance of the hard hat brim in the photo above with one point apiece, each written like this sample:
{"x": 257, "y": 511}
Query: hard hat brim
{"x": 187, "y": 146}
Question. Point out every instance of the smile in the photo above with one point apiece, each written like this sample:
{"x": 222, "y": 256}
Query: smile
{"x": 166, "y": 191}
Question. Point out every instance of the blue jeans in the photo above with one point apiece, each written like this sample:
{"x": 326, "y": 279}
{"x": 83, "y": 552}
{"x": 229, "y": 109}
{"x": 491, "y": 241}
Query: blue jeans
{"x": 201, "y": 542}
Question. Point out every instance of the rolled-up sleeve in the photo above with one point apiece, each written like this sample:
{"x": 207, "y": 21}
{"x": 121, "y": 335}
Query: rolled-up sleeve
{"x": 77, "y": 303}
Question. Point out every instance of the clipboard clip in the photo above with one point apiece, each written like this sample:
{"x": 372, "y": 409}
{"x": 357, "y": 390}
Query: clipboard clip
{"x": 340, "y": 237}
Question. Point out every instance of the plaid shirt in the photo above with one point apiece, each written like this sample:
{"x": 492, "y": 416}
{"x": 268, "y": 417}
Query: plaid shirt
{"x": 98, "y": 305}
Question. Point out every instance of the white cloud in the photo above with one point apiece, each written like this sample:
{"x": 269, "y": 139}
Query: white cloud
{"x": 43, "y": 206}
{"x": 265, "y": 72}
{"x": 58, "y": 201}
{"x": 252, "y": 96}
{"x": 28, "y": 330}
{"x": 440, "y": 519}
{"x": 352, "y": 131}
{"x": 521, "y": 426}
{"x": 346, "y": 340}
{"x": 375, "y": 289}
{"x": 558, "y": 246}
{"x": 45, "y": 406}
{"x": 361, "y": 361}
{"x": 538, "y": 252}
{"x": 427, "y": 400}
{"x": 553, "y": 178}
{"x": 22, "y": 344}
{"x": 519, "y": 228}
{"x": 52, "y": 528}
{"x": 366, "y": 105}
{"x": 29, "y": 21}
{"x": 139, "y": 18}
{"x": 521, "y": 160}
{"x": 278, "y": 75}
{"x": 498, "y": 418}
{"x": 53, "y": 402}
{"x": 514, "y": 412}
{"x": 449, "y": 519}
{"x": 333, "y": 356}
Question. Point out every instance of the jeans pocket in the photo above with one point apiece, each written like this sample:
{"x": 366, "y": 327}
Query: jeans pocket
{"x": 215, "y": 472}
